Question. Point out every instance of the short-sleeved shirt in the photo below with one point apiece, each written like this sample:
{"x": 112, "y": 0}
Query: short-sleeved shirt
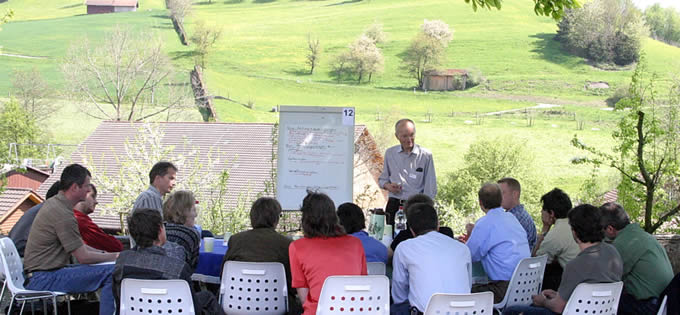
{"x": 54, "y": 235}
{"x": 413, "y": 170}
{"x": 149, "y": 199}
{"x": 599, "y": 263}
{"x": 559, "y": 243}
{"x": 646, "y": 268}
{"x": 375, "y": 250}
{"x": 312, "y": 260}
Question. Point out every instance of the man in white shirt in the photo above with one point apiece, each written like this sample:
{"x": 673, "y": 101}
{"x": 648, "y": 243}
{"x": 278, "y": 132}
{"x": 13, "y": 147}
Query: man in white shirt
{"x": 429, "y": 263}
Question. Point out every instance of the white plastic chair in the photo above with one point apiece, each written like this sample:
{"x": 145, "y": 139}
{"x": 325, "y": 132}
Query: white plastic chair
{"x": 474, "y": 303}
{"x": 594, "y": 298}
{"x": 139, "y": 296}
{"x": 254, "y": 288}
{"x": 358, "y": 294}
{"x": 663, "y": 309}
{"x": 526, "y": 281}
{"x": 14, "y": 279}
{"x": 376, "y": 268}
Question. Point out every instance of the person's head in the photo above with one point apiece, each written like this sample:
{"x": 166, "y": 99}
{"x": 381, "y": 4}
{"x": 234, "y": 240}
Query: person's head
{"x": 490, "y": 196}
{"x": 54, "y": 190}
{"x": 319, "y": 218}
{"x": 418, "y": 198}
{"x": 405, "y": 131}
{"x": 162, "y": 176}
{"x": 511, "y": 189}
{"x": 180, "y": 208}
{"x": 614, "y": 219}
{"x": 585, "y": 223}
{"x": 146, "y": 227}
{"x": 351, "y": 217}
{"x": 88, "y": 205}
{"x": 264, "y": 213}
{"x": 421, "y": 218}
{"x": 556, "y": 203}
{"x": 75, "y": 182}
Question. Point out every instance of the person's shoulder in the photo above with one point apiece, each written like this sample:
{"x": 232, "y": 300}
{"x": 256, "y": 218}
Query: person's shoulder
{"x": 424, "y": 150}
{"x": 393, "y": 149}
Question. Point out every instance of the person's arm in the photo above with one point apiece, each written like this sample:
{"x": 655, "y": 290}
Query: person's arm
{"x": 93, "y": 234}
{"x": 550, "y": 300}
{"x": 399, "y": 278}
{"x": 547, "y": 224}
{"x": 475, "y": 243}
{"x": 430, "y": 178}
{"x": 302, "y": 294}
{"x": 385, "y": 175}
{"x": 538, "y": 245}
{"x": 86, "y": 255}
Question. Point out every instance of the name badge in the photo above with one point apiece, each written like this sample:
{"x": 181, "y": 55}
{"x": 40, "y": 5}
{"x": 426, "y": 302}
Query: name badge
{"x": 412, "y": 176}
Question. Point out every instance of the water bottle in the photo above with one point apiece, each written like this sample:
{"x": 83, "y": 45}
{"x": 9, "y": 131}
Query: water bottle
{"x": 399, "y": 221}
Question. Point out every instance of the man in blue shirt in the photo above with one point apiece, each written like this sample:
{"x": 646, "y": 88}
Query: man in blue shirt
{"x": 353, "y": 220}
{"x": 498, "y": 241}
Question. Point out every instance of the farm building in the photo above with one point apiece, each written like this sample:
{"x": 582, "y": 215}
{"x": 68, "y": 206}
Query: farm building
{"x": 111, "y": 6}
{"x": 29, "y": 177}
{"x": 445, "y": 80}
{"x": 13, "y": 203}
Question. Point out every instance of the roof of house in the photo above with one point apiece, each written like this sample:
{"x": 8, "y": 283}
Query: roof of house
{"x": 447, "y": 72}
{"x": 29, "y": 169}
{"x": 11, "y": 198}
{"x": 115, "y": 3}
{"x": 245, "y": 149}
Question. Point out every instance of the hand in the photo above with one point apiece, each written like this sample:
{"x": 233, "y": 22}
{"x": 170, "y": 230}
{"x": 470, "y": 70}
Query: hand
{"x": 469, "y": 227}
{"x": 548, "y": 220}
{"x": 538, "y": 300}
{"x": 393, "y": 188}
{"x": 550, "y": 294}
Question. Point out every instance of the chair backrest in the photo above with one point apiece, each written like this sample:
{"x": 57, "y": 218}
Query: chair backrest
{"x": 253, "y": 288}
{"x": 13, "y": 268}
{"x": 475, "y": 303}
{"x": 376, "y": 268}
{"x": 594, "y": 298}
{"x": 526, "y": 281}
{"x": 663, "y": 308}
{"x": 358, "y": 294}
{"x": 139, "y": 296}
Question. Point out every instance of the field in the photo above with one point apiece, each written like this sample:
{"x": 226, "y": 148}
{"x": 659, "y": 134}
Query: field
{"x": 260, "y": 59}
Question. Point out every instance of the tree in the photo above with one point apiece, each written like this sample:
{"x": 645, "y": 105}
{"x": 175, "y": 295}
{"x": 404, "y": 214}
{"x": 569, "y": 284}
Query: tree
{"x": 204, "y": 38}
{"x": 426, "y": 51}
{"x": 179, "y": 9}
{"x": 664, "y": 23}
{"x": 124, "y": 78}
{"x": 313, "y": 52}
{"x": 363, "y": 58}
{"x": 376, "y": 33}
{"x": 20, "y": 127}
{"x": 33, "y": 91}
{"x": 553, "y": 8}
{"x": 646, "y": 151}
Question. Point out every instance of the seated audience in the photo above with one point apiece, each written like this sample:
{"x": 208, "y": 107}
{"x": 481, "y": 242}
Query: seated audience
{"x": 264, "y": 244}
{"x": 598, "y": 262}
{"x": 19, "y": 232}
{"x": 511, "y": 190}
{"x": 556, "y": 239}
{"x": 161, "y": 179}
{"x": 179, "y": 212}
{"x": 646, "y": 268}
{"x": 406, "y": 234}
{"x": 326, "y": 250}
{"x": 148, "y": 260}
{"x": 353, "y": 220}
{"x": 55, "y": 237}
{"x": 427, "y": 264}
{"x": 498, "y": 241}
{"x": 92, "y": 234}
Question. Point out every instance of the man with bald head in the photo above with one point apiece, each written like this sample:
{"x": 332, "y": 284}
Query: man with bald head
{"x": 408, "y": 169}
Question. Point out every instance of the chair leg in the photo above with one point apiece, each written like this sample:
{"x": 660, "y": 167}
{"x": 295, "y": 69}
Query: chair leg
{"x": 54, "y": 303}
{"x": 68, "y": 304}
{"x": 11, "y": 303}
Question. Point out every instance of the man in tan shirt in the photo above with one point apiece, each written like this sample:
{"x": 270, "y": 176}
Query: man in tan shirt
{"x": 54, "y": 237}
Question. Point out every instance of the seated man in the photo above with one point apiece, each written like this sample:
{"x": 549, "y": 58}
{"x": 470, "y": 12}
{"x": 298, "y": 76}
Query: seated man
{"x": 19, "y": 232}
{"x": 646, "y": 268}
{"x": 598, "y": 262}
{"x": 556, "y": 239}
{"x": 148, "y": 260}
{"x": 92, "y": 234}
{"x": 55, "y": 237}
{"x": 511, "y": 190}
{"x": 264, "y": 244}
{"x": 352, "y": 219}
{"x": 429, "y": 263}
{"x": 498, "y": 241}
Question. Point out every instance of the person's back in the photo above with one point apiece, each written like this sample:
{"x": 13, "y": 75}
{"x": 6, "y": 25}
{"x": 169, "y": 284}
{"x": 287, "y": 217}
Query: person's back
{"x": 352, "y": 219}
{"x": 186, "y": 237}
{"x": 600, "y": 263}
{"x": 20, "y": 230}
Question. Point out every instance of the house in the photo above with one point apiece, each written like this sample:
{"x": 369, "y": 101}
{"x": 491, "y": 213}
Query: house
{"x": 111, "y": 6}
{"x": 246, "y": 150}
{"x": 445, "y": 80}
{"x": 13, "y": 203}
{"x": 30, "y": 177}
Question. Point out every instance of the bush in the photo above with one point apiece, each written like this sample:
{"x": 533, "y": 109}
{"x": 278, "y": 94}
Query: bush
{"x": 475, "y": 78}
{"x": 626, "y": 49}
{"x": 619, "y": 94}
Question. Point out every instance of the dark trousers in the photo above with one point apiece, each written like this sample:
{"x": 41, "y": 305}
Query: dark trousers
{"x": 498, "y": 288}
{"x": 629, "y": 305}
{"x": 390, "y": 209}
{"x": 552, "y": 276}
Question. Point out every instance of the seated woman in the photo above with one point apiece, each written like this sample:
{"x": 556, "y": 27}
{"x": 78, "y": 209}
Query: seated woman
{"x": 353, "y": 220}
{"x": 326, "y": 250}
{"x": 179, "y": 212}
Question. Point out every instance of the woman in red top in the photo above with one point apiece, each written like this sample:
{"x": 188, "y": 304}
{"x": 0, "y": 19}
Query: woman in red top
{"x": 326, "y": 250}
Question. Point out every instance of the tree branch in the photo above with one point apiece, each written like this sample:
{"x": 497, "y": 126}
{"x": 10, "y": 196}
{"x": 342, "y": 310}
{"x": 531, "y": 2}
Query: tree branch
{"x": 665, "y": 217}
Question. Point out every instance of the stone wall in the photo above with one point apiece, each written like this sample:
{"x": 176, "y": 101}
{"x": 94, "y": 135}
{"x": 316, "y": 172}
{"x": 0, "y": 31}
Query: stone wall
{"x": 672, "y": 245}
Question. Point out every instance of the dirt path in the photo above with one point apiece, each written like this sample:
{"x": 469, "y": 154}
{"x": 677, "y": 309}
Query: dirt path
{"x": 23, "y": 56}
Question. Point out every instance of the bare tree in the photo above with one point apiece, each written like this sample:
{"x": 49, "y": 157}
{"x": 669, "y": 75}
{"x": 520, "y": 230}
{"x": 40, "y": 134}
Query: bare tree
{"x": 204, "y": 38}
{"x": 313, "y": 52}
{"x": 123, "y": 78}
{"x": 32, "y": 90}
{"x": 179, "y": 9}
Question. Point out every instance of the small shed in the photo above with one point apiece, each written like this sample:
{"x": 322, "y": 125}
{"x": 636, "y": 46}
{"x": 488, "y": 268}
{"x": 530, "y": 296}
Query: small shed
{"x": 13, "y": 203}
{"x": 30, "y": 178}
{"x": 445, "y": 80}
{"x": 111, "y": 6}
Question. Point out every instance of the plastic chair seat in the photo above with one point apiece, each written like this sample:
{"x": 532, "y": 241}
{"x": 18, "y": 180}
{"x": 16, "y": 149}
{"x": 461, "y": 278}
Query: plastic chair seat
{"x": 594, "y": 298}
{"x": 526, "y": 281}
{"x": 254, "y": 288}
{"x": 354, "y": 294}
{"x": 139, "y": 296}
{"x": 474, "y": 303}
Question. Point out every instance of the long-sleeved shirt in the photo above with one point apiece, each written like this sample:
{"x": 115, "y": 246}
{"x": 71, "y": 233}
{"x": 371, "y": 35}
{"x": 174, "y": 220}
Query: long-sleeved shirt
{"x": 414, "y": 171}
{"x": 527, "y": 223}
{"x": 428, "y": 264}
{"x": 94, "y": 236}
{"x": 151, "y": 199}
{"x": 499, "y": 242}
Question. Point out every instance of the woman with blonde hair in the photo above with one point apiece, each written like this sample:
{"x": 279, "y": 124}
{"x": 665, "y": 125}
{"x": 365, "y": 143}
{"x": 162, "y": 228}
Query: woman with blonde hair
{"x": 179, "y": 212}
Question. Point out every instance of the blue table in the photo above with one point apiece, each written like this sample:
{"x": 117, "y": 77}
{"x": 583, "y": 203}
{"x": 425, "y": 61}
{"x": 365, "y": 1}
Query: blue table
{"x": 208, "y": 269}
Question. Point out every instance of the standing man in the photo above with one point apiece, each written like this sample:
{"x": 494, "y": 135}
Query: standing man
{"x": 511, "y": 190}
{"x": 90, "y": 232}
{"x": 162, "y": 180}
{"x": 408, "y": 169}
{"x": 55, "y": 237}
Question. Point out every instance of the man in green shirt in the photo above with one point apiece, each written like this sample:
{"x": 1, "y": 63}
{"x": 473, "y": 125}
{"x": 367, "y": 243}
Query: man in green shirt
{"x": 646, "y": 268}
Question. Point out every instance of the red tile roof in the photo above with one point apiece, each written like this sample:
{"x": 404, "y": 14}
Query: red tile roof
{"x": 12, "y": 197}
{"x": 115, "y": 3}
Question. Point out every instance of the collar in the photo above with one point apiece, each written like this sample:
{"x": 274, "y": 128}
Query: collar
{"x": 592, "y": 249}
{"x": 517, "y": 208}
{"x": 415, "y": 150}
{"x": 561, "y": 221}
{"x": 360, "y": 233}
{"x": 62, "y": 198}
{"x": 153, "y": 249}
{"x": 154, "y": 190}
{"x": 77, "y": 213}
{"x": 495, "y": 210}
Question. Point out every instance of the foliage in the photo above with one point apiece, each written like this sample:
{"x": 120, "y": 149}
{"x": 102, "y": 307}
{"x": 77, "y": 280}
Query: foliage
{"x": 646, "y": 151}
{"x": 126, "y": 78}
{"x": 553, "y": 8}
{"x": 427, "y": 50}
{"x": 363, "y": 58}
{"x": 664, "y": 23}
{"x": 619, "y": 94}
{"x": 20, "y": 127}
{"x": 376, "y": 33}
{"x": 313, "y": 52}
{"x": 475, "y": 77}
{"x": 604, "y": 31}
{"x": 32, "y": 90}
{"x": 179, "y": 9}
{"x": 204, "y": 38}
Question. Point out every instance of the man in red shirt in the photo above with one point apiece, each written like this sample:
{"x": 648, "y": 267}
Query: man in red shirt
{"x": 91, "y": 234}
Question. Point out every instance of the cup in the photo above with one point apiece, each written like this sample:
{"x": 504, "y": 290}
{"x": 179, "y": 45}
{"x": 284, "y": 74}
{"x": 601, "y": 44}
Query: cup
{"x": 377, "y": 225}
{"x": 208, "y": 244}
